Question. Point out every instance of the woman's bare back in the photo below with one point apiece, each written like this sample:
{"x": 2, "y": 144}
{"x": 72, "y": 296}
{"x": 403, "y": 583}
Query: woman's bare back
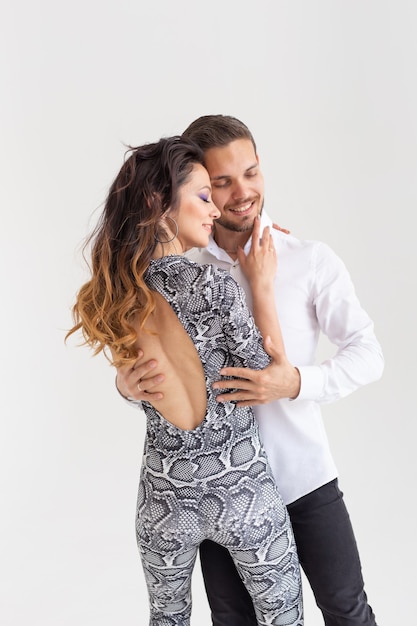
{"x": 185, "y": 399}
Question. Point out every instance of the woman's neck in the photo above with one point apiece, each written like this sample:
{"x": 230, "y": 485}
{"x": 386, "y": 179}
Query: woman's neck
{"x": 167, "y": 249}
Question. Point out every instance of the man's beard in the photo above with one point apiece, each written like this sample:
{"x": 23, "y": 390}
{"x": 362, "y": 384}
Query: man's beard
{"x": 242, "y": 227}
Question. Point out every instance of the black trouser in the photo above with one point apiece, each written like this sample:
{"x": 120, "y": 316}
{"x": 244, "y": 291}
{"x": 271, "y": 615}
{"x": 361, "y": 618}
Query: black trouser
{"x": 328, "y": 555}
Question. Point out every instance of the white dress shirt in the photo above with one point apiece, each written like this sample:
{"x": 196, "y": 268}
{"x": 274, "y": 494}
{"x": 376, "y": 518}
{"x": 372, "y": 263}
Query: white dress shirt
{"x": 314, "y": 293}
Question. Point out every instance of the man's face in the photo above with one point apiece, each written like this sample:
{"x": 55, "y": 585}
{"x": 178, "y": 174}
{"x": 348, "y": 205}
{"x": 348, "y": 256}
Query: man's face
{"x": 237, "y": 184}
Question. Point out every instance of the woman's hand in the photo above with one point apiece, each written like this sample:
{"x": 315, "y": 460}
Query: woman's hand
{"x": 260, "y": 265}
{"x": 260, "y": 268}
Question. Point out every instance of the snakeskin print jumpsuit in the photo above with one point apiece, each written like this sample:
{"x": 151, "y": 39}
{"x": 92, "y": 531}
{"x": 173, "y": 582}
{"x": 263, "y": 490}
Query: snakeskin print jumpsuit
{"x": 213, "y": 482}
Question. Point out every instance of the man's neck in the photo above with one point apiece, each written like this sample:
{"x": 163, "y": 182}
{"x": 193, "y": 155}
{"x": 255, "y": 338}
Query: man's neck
{"x": 230, "y": 240}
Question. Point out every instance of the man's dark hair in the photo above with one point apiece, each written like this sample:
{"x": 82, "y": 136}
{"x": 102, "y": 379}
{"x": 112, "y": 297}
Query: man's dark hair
{"x": 215, "y": 131}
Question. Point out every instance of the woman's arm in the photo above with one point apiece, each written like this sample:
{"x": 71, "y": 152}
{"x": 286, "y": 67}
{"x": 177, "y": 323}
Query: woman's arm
{"x": 280, "y": 379}
{"x": 260, "y": 267}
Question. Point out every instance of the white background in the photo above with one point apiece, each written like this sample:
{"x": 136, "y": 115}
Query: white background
{"x": 329, "y": 90}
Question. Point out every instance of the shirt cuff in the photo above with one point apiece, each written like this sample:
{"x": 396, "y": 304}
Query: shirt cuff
{"x": 137, "y": 404}
{"x": 312, "y": 383}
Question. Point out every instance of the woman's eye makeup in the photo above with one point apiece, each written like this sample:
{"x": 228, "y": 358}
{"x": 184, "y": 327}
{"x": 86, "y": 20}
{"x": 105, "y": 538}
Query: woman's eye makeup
{"x": 204, "y": 197}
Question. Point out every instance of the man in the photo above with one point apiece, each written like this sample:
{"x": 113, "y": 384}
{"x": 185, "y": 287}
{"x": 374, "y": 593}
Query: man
{"x": 314, "y": 294}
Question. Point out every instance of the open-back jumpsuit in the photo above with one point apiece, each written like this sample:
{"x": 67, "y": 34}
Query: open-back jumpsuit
{"x": 213, "y": 482}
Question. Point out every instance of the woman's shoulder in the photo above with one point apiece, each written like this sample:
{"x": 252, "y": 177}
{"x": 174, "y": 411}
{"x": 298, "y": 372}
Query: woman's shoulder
{"x": 178, "y": 263}
{"x": 183, "y": 273}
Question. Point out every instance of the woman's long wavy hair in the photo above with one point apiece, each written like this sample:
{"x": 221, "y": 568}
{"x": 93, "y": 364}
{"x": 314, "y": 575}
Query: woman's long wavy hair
{"x": 146, "y": 190}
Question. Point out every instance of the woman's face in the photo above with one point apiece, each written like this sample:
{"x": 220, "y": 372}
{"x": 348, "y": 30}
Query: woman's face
{"x": 196, "y": 212}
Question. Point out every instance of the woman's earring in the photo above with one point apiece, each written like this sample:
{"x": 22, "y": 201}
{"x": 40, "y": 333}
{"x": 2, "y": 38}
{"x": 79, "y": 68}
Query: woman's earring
{"x": 167, "y": 217}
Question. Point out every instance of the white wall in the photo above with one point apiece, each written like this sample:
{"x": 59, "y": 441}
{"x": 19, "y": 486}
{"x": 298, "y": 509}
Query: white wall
{"x": 329, "y": 90}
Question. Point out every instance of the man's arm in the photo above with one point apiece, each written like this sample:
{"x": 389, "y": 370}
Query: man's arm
{"x": 358, "y": 360}
{"x": 279, "y": 380}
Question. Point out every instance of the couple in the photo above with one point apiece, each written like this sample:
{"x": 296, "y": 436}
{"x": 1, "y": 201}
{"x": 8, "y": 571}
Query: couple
{"x": 314, "y": 292}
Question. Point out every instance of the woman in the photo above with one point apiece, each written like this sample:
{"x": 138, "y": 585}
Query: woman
{"x": 204, "y": 472}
